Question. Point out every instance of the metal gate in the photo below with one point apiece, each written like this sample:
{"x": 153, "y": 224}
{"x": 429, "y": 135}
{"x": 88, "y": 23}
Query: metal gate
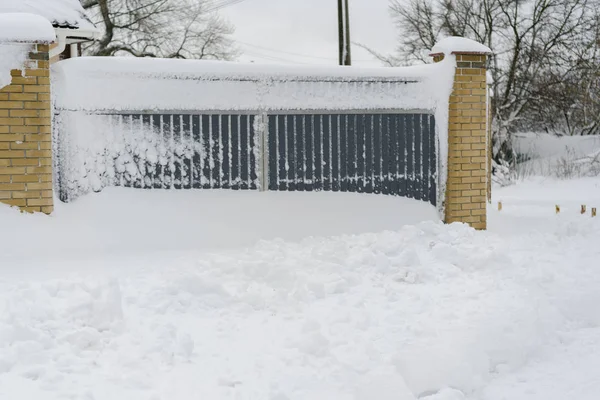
{"x": 391, "y": 154}
{"x": 387, "y": 153}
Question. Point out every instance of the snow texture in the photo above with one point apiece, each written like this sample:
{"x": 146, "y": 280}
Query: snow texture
{"x": 457, "y": 44}
{"x": 428, "y": 311}
{"x": 85, "y": 86}
{"x": 25, "y": 28}
{"x": 12, "y": 56}
{"x": 61, "y": 13}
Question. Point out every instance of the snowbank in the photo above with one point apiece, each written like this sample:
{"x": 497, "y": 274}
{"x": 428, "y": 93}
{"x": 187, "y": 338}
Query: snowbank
{"x": 542, "y": 154}
{"x": 24, "y": 28}
{"x": 429, "y": 312}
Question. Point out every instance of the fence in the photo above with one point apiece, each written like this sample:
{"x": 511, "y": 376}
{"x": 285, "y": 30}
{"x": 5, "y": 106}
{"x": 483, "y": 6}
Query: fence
{"x": 418, "y": 132}
{"x": 366, "y": 135}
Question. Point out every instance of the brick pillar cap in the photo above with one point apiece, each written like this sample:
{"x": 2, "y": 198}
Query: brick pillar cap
{"x": 459, "y": 45}
{"x": 25, "y": 28}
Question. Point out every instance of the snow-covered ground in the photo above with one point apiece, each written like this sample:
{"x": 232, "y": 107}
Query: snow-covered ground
{"x": 151, "y": 295}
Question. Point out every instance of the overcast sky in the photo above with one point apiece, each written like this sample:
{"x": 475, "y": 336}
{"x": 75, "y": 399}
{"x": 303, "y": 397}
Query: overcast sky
{"x": 269, "y": 30}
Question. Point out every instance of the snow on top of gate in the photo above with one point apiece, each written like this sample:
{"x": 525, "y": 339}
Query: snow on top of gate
{"x": 136, "y": 84}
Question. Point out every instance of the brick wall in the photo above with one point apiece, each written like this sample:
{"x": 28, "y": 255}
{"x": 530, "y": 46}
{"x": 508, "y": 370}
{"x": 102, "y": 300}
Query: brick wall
{"x": 25, "y": 139}
{"x": 468, "y": 147}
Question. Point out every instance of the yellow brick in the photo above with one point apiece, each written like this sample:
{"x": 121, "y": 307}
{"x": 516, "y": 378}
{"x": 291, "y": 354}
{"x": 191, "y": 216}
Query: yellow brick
{"x": 471, "y": 153}
{"x": 460, "y": 213}
{"x": 47, "y": 209}
{"x": 11, "y": 121}
{"x": 12, "y": 89}
{"x": 14, "y": 202}
{"x": 480, "y": 211}
{"x": 45, "y": 146}
{"x": 471, "y": 206}
{"x": 24, "y": 80}
{"x": 12, "y": 154}
{"x": 37, "y": 89}
{"x": 37, "y": 121}
{"x": 43, "y": 80}
{"x": 457, "y": 105}
{"x": 27, "y": 194}
{"x": 4, "y": 146}
{"x": 12, "y": 186}
{"x": 38, "y": 137}
{"x": 23, "y": 96}
{"x": 11, "y": 104}
{"x": 24, "y": 113}
{"x": 46, "y": 129}
{"x": 37, "y": 105}
{"x": 25, "y": 162}
{"x": 39, "y": 170}
{"x": 38, "y": 153}
{"x": 25, "y": 178}
{"x": 45, "y": 161}
{"x": 39, "y": 202}
{"x": 5, "y": 195}
{"x": 11, "y": 170}
{"x": 478, "y": 199}
{"x": 24, "y": 129}
{"x": 39, "y": 186}
{"x": 37, "y": 72}
{"x": 24, "y": 146}
{"x": 48, "y": 178}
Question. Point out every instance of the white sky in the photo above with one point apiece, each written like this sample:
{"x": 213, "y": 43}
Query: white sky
{"x": 268, "y": 30}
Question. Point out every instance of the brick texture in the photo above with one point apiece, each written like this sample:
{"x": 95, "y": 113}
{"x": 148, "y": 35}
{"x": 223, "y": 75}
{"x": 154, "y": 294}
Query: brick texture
{"x": 468, "y": 185}
{"x": 25, "y": 154}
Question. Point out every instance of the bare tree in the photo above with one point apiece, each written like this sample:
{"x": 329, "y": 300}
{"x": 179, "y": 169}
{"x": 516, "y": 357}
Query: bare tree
{"x": 160, "y": 28}
{"x": 536, "y": 43}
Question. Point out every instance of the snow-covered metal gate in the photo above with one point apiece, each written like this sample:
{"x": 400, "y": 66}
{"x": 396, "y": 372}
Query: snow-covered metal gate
{"x": 389, "y": 153}
{"x": 385, "y": 153}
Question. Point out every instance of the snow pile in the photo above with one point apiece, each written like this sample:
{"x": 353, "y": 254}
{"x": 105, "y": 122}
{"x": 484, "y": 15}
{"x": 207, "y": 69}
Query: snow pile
{"x": 113, "y": 221}
{"x": 61, "y": 13}
{"x": 24, "y": 28}
{"x": 541, "y": 154}
{"x": 429, "y": 312}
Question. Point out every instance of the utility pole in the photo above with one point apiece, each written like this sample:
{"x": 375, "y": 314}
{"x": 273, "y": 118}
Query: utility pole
{"x": 344, "y": 33}
{"x": 348, "y": 60}
{"x": 341, "y": 32}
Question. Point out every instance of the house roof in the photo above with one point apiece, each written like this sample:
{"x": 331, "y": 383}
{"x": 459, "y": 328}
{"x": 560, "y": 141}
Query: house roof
{"x": 61, "y": 13}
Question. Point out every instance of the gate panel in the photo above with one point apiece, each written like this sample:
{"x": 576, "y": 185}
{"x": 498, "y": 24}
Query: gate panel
{"x": 216, "y": 151}
{"x": 373, "y": 153}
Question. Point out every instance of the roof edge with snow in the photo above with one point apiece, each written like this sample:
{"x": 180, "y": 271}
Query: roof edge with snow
{"x": 25, "y": 28}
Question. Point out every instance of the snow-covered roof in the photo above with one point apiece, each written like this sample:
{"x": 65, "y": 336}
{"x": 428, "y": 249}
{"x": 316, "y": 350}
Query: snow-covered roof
{"x": 25, "y": 28}
{"x": 61, "y": 13}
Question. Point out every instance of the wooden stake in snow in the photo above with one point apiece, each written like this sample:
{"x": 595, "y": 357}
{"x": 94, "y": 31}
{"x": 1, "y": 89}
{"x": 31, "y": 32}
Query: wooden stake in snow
{"x": 583, "y": 209}
{"x": 499, "y": 206}
{"x": 557, "y": 209}
{"x": 594, "y": 212}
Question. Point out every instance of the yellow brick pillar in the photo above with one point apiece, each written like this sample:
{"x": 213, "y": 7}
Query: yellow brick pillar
{"x": 468, "y": 140}
{"x": 25, "y": 137}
